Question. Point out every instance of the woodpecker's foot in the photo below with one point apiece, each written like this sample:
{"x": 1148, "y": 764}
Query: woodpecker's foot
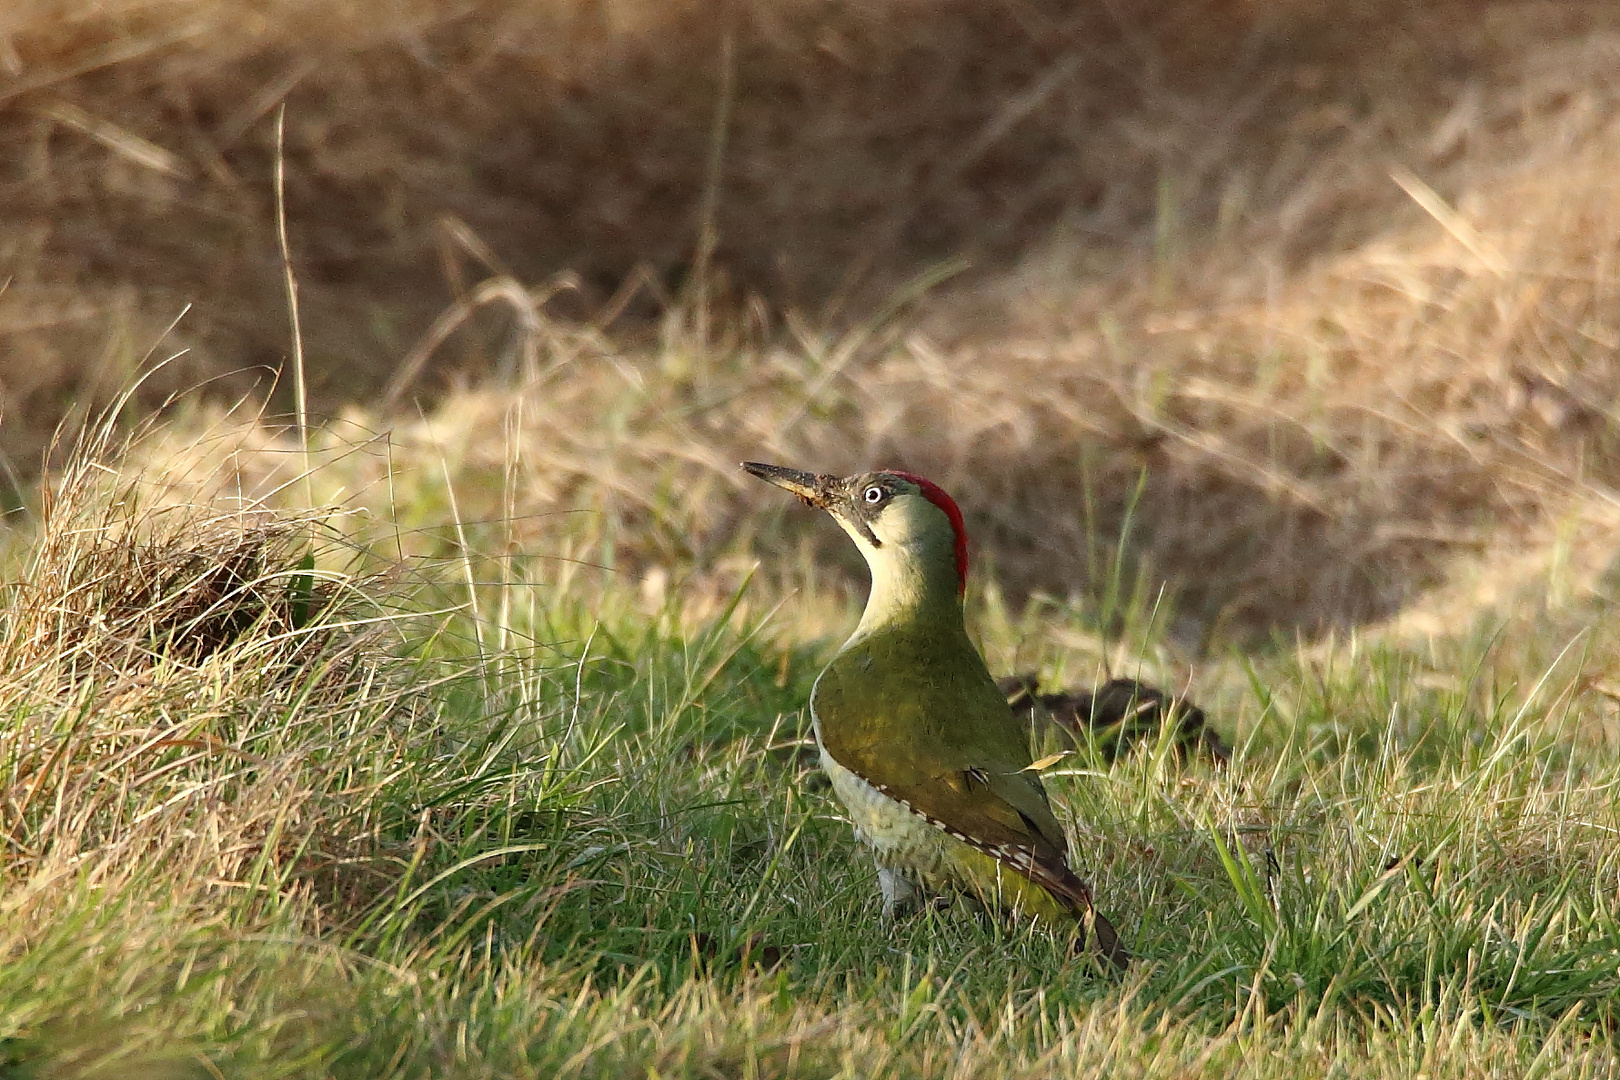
{"x": 900, "y": 896}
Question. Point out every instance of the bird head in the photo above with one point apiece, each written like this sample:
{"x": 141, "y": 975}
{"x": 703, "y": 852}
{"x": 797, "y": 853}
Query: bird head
{"x": 909, "y": 530}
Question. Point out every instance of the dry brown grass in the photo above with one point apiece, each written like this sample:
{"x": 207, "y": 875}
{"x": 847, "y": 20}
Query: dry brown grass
{"x": 144, "y": 651}
{"x": 1338, "y": 278}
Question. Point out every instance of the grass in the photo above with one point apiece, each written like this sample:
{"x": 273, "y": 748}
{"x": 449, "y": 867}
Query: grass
{"x": 326, "y": 822}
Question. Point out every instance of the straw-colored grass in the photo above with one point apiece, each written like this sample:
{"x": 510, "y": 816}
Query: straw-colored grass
{"x": 1347, "y": 307}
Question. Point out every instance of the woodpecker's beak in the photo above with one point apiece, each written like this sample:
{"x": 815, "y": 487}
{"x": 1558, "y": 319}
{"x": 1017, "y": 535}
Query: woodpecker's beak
{"x": 813, "y": 490}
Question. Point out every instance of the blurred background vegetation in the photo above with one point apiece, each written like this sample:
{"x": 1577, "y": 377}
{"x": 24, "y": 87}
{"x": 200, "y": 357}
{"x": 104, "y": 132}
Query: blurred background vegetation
{"x": 1332, "y": 283}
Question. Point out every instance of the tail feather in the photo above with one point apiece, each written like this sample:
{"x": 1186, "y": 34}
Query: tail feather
{"x": 1099, "y": 935}
{"x": 1068, "y": 889}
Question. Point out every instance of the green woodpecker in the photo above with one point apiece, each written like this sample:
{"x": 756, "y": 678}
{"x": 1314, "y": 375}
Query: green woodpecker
{"x": 920, "y": 744}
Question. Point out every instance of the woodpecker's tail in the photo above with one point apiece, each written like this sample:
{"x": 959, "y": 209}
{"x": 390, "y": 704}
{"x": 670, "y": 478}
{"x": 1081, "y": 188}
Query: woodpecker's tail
{"x": 1098, "y": 933}
{"x": 1050, "y": 870}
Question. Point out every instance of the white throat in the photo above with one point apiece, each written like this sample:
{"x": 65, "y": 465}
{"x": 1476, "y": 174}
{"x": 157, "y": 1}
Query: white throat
{"x": 914, "y": 575}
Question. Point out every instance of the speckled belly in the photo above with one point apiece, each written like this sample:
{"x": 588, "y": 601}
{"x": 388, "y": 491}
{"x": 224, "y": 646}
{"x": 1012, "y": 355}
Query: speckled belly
{"x": 901, "y": 839}
{"x": 905, "y": 842}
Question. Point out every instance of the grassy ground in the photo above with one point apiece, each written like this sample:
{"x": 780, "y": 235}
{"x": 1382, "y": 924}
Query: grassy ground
{"x": 278, "y": 803}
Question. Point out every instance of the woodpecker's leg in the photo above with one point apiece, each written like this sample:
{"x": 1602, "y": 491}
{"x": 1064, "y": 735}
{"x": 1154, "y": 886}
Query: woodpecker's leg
{"x": 900, "y": 896}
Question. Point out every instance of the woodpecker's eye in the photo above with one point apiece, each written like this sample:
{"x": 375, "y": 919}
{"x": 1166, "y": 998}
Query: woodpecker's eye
{"x": 874, "y": 495}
